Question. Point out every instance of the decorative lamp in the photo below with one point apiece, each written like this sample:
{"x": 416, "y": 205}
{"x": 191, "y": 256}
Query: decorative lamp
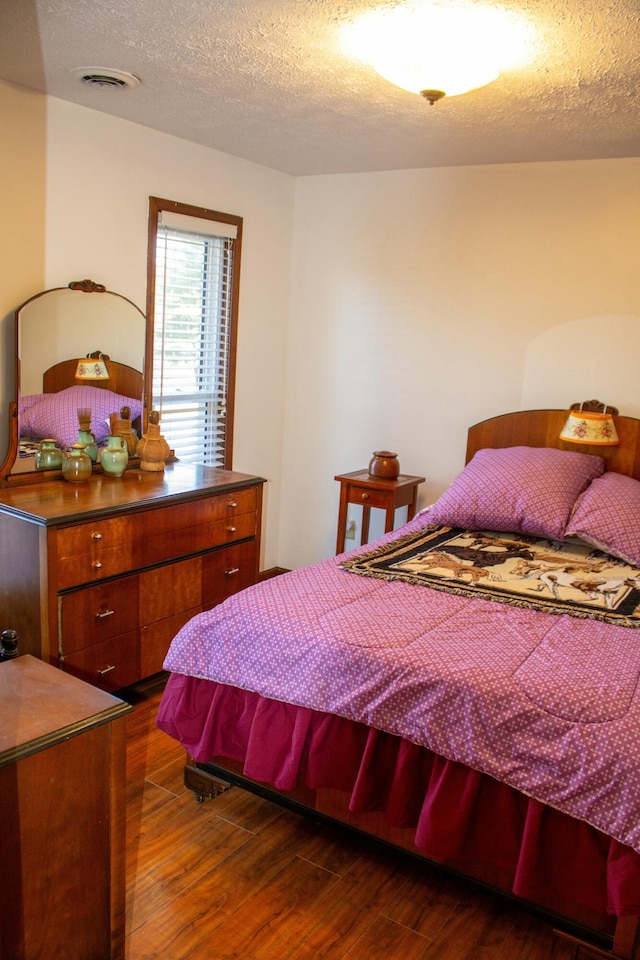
{"x": 590, "y": 426}
{"x": 93, "y": 367}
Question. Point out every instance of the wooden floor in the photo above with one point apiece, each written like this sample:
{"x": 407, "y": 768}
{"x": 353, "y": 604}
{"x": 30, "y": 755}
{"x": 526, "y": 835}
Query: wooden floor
{"x": 239, "y": 877}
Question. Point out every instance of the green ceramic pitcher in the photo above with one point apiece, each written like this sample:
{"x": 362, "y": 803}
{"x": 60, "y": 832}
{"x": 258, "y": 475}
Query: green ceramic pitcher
{"x": 114, "y": 457}
{"x": 48, "y": 455}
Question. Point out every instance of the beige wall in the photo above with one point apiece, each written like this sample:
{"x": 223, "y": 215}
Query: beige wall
{"x": 385, "y": 310}
{"x": 426, "y": 300}
{"x": 100, "y": 174}
{"x": 22, "y": 221}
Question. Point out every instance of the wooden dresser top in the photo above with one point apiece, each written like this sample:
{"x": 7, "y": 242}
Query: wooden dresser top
{"x": 58, "y": 501}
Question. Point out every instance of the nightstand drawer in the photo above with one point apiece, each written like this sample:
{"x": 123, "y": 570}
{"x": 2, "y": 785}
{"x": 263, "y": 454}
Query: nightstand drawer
{"x": 370, "y": 498}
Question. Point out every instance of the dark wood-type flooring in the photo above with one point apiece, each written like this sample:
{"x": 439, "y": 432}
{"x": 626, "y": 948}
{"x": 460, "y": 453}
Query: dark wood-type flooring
{"x": 240, "y": 877}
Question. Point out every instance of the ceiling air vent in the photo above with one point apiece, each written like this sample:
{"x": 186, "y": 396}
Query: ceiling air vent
{"x": 105, "y": 78}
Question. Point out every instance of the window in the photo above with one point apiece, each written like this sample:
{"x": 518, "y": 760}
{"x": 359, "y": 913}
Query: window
{"x": 192, "y": 302}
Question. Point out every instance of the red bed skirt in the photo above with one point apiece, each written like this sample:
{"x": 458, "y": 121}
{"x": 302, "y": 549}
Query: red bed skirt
{"x": 458, "y": 817}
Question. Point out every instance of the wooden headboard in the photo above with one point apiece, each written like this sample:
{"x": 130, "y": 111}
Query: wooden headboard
{"x": 541, "y": 428}
{"x": 122, "y": 379}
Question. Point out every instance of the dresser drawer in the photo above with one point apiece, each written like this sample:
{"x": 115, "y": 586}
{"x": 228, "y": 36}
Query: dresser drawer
{"x": 181, "y": 516}
{"x": 94, "y": 614}
{"x": 227, "y": 571}
{"x": 169, "y": 589}
{"x": 112, "y": 664}
{"x": 155, "y": 639}
{"x": 92, "y": 551}
{"x": 159, "y": 547}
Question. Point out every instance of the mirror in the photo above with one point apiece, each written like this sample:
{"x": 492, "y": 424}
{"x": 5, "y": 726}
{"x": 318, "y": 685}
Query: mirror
{"x": 67, "y": 324}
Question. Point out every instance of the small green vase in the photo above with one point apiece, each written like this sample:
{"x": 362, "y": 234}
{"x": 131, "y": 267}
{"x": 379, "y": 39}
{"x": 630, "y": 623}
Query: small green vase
{"x": 76, "y": 465}
{"x": 48, "y": 455}
{"x": 114, "y": 457}
{"x": 88, "y": 440}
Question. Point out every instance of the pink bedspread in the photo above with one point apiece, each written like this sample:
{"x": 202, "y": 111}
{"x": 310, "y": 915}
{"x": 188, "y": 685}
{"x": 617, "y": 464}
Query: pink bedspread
{"x": 547, "y": 704}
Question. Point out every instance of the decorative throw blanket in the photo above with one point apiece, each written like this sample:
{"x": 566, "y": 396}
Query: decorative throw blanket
{"x": 570, "y": 578}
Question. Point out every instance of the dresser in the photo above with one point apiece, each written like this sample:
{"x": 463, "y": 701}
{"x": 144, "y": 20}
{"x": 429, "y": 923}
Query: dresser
{"x": 97, "y": 577}
{"x": 62, "y": 844}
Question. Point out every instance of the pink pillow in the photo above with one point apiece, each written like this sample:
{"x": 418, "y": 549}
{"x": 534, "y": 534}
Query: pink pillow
{"x": 607, "y": 516}
{"x": 528, "y": 490}
{"x": 55, "y": 415}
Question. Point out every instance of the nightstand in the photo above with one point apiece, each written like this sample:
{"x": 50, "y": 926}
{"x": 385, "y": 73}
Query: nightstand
{"x": 360, "y": 487}
{"x": 62, "y": 844}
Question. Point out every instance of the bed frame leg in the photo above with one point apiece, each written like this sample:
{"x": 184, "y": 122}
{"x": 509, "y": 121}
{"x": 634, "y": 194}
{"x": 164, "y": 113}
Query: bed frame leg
{"x": 203, "y": 784}
{"x": 626, "y": 942}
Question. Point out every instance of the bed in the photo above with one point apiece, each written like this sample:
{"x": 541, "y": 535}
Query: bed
{"x": 465, "y": 688}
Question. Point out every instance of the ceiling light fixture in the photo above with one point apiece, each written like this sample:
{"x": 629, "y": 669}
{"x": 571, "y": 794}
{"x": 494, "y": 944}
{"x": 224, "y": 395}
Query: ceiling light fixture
{"x": 438, "y": 50}
{"x": 105, "y": 77}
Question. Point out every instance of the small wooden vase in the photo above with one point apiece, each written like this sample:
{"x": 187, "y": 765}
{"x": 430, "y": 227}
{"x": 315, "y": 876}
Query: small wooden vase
{"x": 152, "y": 448}
{"x": 122, "y": 428}
{"x": 384, "y": 465}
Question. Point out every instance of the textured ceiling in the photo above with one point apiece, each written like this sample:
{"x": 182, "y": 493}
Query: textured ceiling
{"x": 265, "y": 80}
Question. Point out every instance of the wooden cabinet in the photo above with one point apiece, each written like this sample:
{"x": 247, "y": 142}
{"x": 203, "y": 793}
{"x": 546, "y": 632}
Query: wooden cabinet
{"x": 98, "y": 577}
{"x": 62, "y": 783}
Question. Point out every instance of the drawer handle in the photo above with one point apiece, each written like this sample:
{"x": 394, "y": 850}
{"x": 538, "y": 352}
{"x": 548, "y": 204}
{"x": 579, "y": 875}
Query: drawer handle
{"x": 106, "y": 670}
{"x": 96, "y": 565}
{"x": 232, "y": 504}
{"x": 232, "y": 572}
{"x": 231, "y": 529}
{"x": 105, "y": 613}
{"x": 97, "y": 536}
{"x": 365, "y": 496}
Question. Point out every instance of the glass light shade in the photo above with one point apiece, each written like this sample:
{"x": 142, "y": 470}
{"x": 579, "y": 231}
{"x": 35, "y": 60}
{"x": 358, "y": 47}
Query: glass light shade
{"x": 89, "y": 369}
{"x": 433, "y": 47}
{"x": 585, "y": 426}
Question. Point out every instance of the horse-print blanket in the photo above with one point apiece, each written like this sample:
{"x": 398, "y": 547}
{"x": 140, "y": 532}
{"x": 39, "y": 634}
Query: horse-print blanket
{"x": 562, "y": 578}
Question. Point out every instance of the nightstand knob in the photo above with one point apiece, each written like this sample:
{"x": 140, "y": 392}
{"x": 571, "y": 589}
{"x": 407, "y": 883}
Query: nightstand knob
{"x": 231, "y": 529}
{"x": 365, "y": 496}
{"x": 97, "y": 536}
{"x": 96, "y": 565}
{"x": 232, "y": 504}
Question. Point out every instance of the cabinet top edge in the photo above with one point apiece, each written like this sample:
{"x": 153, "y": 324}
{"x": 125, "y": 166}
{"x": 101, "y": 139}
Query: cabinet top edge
{"x": 60, "y": 502}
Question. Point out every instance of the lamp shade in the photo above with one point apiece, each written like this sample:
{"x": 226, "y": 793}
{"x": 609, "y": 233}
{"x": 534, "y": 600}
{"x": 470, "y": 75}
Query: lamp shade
{"x": 586, "y": 426}
{"x": 89, "y": 369}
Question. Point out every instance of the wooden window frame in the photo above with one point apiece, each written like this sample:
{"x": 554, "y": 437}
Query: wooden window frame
{"x": 156, "y": 205}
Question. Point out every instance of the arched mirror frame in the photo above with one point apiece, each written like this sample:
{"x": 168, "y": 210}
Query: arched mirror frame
{"x": 8, "y": 473}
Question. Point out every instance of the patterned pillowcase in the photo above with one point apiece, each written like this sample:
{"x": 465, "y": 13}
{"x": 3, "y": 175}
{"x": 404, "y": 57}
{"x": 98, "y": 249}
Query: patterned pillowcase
{"x": 55, "y": 415}
{"x": 607, "y": 516}
{"x": 528, "y": 490}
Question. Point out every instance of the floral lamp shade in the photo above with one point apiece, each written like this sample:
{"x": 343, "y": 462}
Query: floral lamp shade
{"x": 90, "y": 369}
{"x": 587, "y": 426}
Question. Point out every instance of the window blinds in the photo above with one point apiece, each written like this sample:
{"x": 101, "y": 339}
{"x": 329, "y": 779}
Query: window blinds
{"x": 194, "y": 266}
